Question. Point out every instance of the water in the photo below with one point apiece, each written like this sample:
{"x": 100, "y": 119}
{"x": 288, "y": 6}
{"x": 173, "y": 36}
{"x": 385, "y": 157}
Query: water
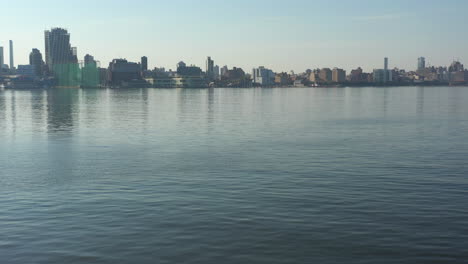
{"x": 354, "y": 175}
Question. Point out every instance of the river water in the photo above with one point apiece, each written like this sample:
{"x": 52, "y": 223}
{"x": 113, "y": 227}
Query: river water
{"x": 292, "y": 175}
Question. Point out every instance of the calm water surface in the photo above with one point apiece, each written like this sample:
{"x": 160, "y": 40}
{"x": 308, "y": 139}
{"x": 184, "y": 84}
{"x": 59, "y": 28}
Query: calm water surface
{"x": 353, "y": 175}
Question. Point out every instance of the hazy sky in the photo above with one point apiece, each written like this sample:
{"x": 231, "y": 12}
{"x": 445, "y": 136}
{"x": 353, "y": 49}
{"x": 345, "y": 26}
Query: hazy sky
{"x": 282, "y": 35}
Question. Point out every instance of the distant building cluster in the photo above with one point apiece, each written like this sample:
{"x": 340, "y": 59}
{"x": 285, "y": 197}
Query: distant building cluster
{"x": 60, "y": 66}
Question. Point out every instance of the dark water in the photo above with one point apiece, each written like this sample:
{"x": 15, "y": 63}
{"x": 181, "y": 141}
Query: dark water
{"x": 355, "y": 175}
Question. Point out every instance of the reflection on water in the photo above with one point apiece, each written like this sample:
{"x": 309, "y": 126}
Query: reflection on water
{"x": 345, "y": 175}
{"x": 61, "y": 105}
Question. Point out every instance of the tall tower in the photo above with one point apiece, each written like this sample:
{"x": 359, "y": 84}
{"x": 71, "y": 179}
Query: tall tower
{"x": 386, "y": 71}
{"x": 12, "y": 62}
{"x": 209, "y": 67}
{"x": 35, "y": 59}
{"x": 61, "y": 58}
{"x": 421, "y": 63}
{"x": 2, "y": 59}
{"x": 57, "y": 47}
{"x": 144, "y": 63}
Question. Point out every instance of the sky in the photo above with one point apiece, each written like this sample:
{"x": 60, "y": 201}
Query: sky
{"x": 281, "y": 35}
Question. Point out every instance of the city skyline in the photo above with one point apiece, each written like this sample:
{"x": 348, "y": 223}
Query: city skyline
{"x": 301, "y": 35}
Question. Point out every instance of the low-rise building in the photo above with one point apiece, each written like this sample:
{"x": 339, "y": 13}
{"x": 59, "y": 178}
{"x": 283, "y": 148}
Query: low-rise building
{"x": 283, "y": 79}
{"x": 120, "y": 71}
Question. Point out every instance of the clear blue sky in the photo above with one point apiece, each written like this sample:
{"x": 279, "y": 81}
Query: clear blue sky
{"x": 282, "y": 35}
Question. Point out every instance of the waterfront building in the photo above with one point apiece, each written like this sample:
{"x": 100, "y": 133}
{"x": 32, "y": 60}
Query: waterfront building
{"x": 236, "y": 77}
{"x": 90, "y": 75}
{"x": 421, "y": 63}
{"x": 177, "y": 82}
{"x": 89, "y": 60}
{"x": 338, "y": 75}
{"x": 383, "y": 76}
{"x": 35, "y": 59}
{"x": 456, "y": 66}
{"x": 121, "y": 71}
{"x": 12, "y": 61}
{"x": 61, "y": 58}
{"x": 26, "y": 71}
{"x": 356, "y": 76}
{"x": 459, "y": 77}
{"x": 184, "y": 70}
{"x": 144, "y": 63}
{"x": 224, "y": 70}
{"x": 325, "y": 75}
{"x": 216, "y": 72}
{"x": 58, "y": 49}
{"x": 209, "y": 68}
{"x": 2, "y": 59}
{"x": 263, "y": 76}
{"x": 283, "y": 79}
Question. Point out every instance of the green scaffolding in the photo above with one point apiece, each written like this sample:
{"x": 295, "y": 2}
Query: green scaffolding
{"x": 72, "y": 75}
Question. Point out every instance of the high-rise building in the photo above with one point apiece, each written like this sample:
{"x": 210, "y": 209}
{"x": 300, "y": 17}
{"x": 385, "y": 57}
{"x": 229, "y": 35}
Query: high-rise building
{"x": 57, "y": 48}
{"x": 383, "y": 76}
{"x": 90, "y": 76}
{"x": 89, "y": 60}
{"x": 325, "y": 75}
{"x": 209, "y": 68}
{"x": 421, "y": 63}
{"x": 216, "y": 72}
{"x": 338, "y": 75}
{"x": 224, "y": 70}
{"x": 144, "y": 63}
{"x": 263, "y": 76}
{"x": 12, "y": 62}
{"x": 35, "y": 60}
{"x": 2, "y": 59}
{"x": 61, "y": 58}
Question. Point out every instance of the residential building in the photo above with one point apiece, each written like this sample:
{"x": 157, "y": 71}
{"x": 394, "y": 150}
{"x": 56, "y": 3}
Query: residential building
{"x": 35, "y": 59}
{"x": 27, "y": 71}
{"x": 224, "y": 70}
{"x": 184, "y": 70}
{"x": 338, "y": 75}
{"x": 121, "y": 71}
{"x": 325, "y": 75}
{"x": 209, "y": 68}
{"x": 58, "y": 49}
{"x": 456, "y": 66}
{"x": 282, "y": 79}
{"x": 89, "y": 60}
{"x": 357, "y": 76}
{"x": 421, "y": 63}
{"x": 263, "y": 76}
{"x": 144, "y": 63}
{"x": 61, "y": 58}
{"x": 383, "y": 76}
{"x": 216, "y": 72}
{"x": 90, "y": 74}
